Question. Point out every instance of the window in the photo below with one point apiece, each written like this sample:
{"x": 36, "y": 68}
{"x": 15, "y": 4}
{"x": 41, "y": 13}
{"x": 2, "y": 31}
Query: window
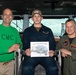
{"x": 0, "y": 21}
{"x": 18, "y": 24}
{"x": 75, "y": 18}
{"x": 54, "y": 24}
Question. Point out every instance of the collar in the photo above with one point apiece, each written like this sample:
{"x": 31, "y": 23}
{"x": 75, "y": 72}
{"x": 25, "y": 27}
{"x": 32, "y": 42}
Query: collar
{"x": 5, "y": 26}
{"x": 33, "y": 28}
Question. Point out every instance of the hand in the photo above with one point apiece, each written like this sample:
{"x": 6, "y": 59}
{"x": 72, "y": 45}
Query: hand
{"x": 51, "y": 53}
{"x": 28, "y": 52}
{"x": 65, "y": 51}
{"x": 15, "y": 47}
{"x": 64, "y": 55}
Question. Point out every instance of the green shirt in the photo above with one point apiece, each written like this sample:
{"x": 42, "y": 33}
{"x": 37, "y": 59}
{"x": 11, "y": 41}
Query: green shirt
{"x": 8, "y": 37}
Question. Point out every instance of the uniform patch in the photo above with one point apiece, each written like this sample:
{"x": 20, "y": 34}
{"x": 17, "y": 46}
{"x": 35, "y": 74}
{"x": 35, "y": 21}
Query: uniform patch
{"x": 45, "y": 32}
{"x": 73, "y": 46}
{"x": 65, "y": 43}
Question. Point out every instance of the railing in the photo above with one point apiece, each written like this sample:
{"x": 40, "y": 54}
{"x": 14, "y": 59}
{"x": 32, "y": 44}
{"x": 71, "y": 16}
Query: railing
{"x": 17, "y": 61}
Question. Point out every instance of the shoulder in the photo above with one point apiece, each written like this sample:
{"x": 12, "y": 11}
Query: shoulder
{"x": 0, "y": 25}
{"x": 14, "y": 29}
{"x": 27, "y": 29}
{"x": 65, "y": 37}
{"x": 46, "y": 28}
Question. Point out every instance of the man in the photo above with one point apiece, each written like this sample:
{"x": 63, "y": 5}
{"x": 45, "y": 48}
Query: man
{"x": 67, "y": 46}
{"x": 38, "y": 33}
{"x": 9, "y": 43}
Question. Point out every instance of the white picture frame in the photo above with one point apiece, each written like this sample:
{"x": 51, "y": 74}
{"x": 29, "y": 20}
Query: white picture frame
{"x": 39, "y": 49}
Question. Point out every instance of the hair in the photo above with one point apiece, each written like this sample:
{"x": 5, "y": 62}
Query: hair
{"x": 6, "y": 9}
{"x": 70, "y": 20}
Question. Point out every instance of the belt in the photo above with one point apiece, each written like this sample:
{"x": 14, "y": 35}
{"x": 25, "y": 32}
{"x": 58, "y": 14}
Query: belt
{"x": 5, "y": 63}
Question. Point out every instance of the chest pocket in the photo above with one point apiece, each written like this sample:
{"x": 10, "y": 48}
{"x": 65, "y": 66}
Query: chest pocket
{"x": 45, "y": 35}
{"x": 73, "y": 46}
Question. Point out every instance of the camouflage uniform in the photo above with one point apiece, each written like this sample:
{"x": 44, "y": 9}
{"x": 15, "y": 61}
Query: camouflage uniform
{"x": 69, "y": 64}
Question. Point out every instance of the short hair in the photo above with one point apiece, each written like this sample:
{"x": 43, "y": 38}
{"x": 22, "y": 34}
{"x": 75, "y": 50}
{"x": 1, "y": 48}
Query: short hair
{"x": 70, "y": 20}
{"x": 6, "y": 9}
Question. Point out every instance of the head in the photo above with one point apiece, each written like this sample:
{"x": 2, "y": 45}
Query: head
{"x": 70, "y": 26}
{"x": 7, "y": 16}
{"x": 37, "y": 16}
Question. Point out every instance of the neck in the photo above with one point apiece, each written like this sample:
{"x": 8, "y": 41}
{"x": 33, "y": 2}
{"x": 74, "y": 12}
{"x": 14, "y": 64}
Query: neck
{"x": 37, "y": 25}
{"x": 5, "y": 24}
{"x": 72, "y": 35}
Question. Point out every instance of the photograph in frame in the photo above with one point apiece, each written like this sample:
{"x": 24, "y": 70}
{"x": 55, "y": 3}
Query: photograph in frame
{"x": 39, "y": 49}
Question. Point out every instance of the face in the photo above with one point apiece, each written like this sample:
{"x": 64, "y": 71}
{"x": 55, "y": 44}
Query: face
{"x": 7, "y": 17}
{"x": 70, "y": 28}
{"x": 37, "y": 19}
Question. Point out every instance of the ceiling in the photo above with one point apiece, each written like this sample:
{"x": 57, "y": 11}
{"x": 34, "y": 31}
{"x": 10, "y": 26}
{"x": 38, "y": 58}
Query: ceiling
{"x": 48, "y": 7}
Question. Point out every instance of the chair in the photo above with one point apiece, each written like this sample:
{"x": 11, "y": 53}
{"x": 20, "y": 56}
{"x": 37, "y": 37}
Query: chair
{"x": 39, "y": 70}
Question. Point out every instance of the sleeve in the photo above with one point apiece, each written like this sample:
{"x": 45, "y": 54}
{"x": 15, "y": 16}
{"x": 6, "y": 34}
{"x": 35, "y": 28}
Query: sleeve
{"x": 52, "y": 43}
{"x": 3, "y": 50}
{"x": 26, "y": 42}
{"x": 18, "y": 40}
{"x": 73, "y": 55}
{"x": 59, "y": 44}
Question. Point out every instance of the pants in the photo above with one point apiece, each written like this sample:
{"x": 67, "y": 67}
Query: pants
{"x": 29, "y": 64}
{"x": 7, "y": 68}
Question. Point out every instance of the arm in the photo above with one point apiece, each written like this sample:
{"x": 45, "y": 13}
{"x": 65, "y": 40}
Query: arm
{"x": 60, "y": 47}
{"x": 73, "y": 54}
{"x": 18, "y": 41}
{"x": 3, "y": 50}
{"x": 26, "y": 43}
{"x": 5, "y": 47}
{"x": 65, "y": 52}
{"x": 52, "y": 44}
{"x": 59, "y": 44}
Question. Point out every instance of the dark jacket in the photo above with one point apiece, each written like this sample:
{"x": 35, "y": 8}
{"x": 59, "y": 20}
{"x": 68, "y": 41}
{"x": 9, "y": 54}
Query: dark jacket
{"x": 32, "y": 35}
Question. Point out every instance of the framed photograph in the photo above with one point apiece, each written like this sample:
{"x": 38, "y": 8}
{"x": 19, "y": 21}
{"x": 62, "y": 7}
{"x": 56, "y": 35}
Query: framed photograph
{"x": 39, "y": 49}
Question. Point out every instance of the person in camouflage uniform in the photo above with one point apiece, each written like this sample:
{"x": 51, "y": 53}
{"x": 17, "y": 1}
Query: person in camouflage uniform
{"x": 67, "y": 46}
